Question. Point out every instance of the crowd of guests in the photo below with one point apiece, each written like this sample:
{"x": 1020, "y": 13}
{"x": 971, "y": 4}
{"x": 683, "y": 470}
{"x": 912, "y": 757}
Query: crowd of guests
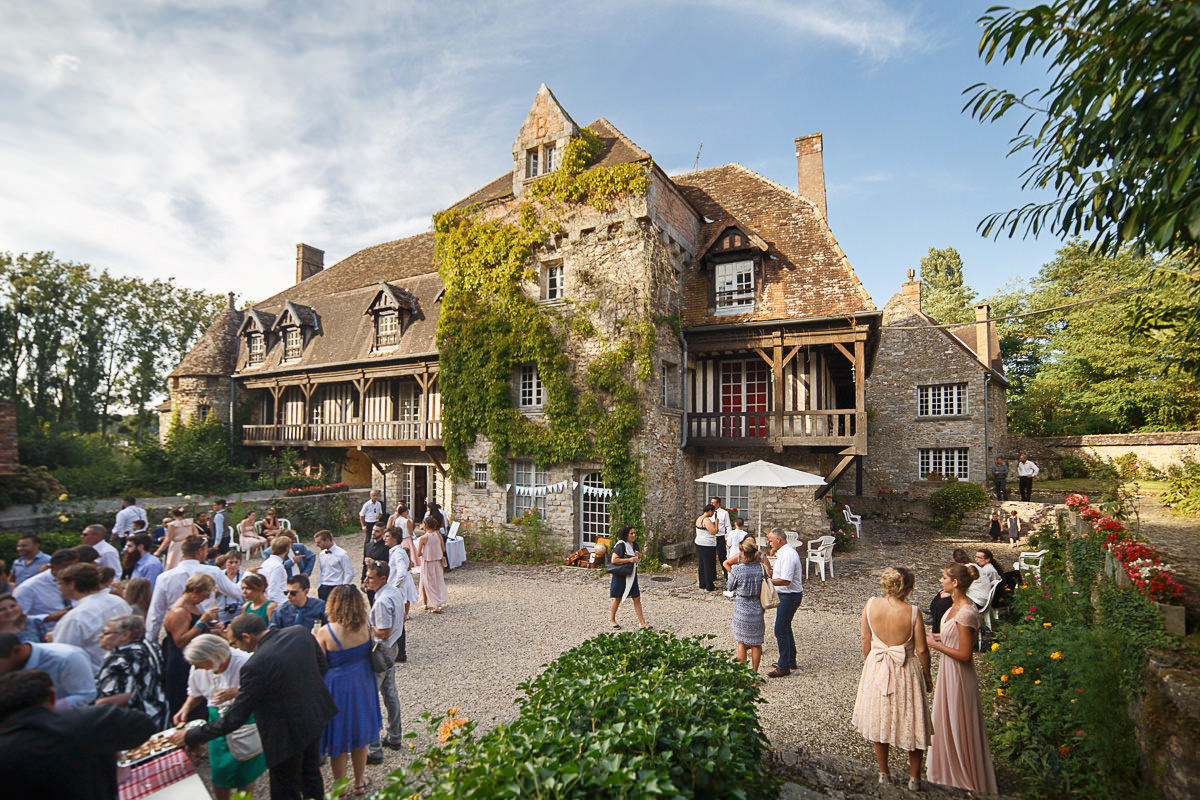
{"x": 171, "y": 625}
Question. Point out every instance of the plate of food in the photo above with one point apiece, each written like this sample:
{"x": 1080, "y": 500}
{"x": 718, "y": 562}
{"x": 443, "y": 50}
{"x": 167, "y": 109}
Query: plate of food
{"x": 157, "y": 745}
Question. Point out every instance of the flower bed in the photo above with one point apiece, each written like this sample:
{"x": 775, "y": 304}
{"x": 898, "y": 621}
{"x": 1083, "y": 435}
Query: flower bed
{"x": 328, "y": 487}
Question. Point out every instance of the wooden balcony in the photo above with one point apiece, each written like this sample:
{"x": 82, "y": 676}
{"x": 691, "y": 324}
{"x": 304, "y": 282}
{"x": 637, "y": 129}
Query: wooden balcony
{"x": 393, "y": 433}
{"x": 820, "y": 428}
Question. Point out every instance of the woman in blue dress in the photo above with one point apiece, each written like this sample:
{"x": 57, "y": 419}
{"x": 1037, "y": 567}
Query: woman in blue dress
{"x": 346, "y": 641}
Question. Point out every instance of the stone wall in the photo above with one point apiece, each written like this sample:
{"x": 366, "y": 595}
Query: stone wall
{"x": 1157, "y": 449}
{"x": 907, "y": 359}
{"x": 190, "y": 393}
{"x": 8, "y": 438}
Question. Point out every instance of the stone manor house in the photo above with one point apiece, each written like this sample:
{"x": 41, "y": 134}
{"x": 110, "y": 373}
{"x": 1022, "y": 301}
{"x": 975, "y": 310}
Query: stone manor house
{"x": 766, "y": 346}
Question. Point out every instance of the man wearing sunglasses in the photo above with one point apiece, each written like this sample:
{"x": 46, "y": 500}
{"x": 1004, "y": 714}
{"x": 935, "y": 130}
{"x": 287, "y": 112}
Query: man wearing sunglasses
{"x": 300, "y": 609}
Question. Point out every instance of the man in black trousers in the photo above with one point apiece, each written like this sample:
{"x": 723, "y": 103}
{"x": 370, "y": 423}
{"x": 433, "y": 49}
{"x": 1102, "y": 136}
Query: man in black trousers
{"x": 287, "y": 661}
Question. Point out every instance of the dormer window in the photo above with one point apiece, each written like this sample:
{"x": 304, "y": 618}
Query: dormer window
{"x": 531, "y": 163}
{"x": 540, "y": 160}
{"x": 293, "y": 343}
{"x": 387, "y": 328}
{"x": 734, "y": 287}
{"x": 257, "y": 346}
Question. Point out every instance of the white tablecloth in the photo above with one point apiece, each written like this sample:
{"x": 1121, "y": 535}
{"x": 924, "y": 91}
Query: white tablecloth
{"x": 456, "y": 552}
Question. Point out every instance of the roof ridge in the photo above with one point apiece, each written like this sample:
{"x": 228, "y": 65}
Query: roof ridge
{"x": 622, "y": 136}
{"x": 758, "y": 175}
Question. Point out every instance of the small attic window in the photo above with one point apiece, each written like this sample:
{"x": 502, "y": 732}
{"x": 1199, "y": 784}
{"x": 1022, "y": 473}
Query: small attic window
{"x": 387, "y": 328}
{"x": 734, "y": 287}
{"x": 531, "y": 163}
{"x": 257, "y": 346}
{"x": 293, "y": 343}
{"x": 548, "y": 155}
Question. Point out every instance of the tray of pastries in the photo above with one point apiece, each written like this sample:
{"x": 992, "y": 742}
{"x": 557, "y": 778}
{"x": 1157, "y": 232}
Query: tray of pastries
{"x": 157, "y": 745}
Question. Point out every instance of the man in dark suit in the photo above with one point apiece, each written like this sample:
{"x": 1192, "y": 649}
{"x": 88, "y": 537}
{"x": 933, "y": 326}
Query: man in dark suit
{"x": 286, "y": 661}
{"x": 36, "y": 743}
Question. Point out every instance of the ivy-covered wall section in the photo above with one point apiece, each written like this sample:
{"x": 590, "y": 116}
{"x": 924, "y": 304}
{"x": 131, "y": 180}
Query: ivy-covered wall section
{"x": 594, "y": 353}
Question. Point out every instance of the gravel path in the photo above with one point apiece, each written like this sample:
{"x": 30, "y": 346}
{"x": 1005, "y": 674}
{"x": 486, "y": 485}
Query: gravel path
{"x": 505, "y": 621}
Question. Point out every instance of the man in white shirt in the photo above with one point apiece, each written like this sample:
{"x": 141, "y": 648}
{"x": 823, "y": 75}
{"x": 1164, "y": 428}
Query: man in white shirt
{"x": 169, "y": 586}
{"x": 39, "y": 596}
{"x": 274, "y": 570}
{"x": 80, "y": 584}
{"x": 1026, "y": 472}
{"x": 220, "y": 527}
{"x": 387, "y": 617}
{"x": 786, "y": 575}
{"x": 369, "y": 514}
{"x": 723, "y": 529}
{"x": 123, "y": 525}
{"x": 30, "y": 558}
{"x": 93, "y": 536}
{"x": 336, "y": 569}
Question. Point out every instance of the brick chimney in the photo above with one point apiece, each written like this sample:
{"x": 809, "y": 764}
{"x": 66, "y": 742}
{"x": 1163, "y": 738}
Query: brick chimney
{"x": 911, "y": 291}
{"x": 985, "y": 330}
{"x": 810, "y": 168}
{"x": 309, "y": 261}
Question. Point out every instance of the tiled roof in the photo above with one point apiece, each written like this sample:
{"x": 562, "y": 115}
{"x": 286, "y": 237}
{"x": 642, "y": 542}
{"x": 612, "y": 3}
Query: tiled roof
{"x": 806, "y": 272}
{"x": 216, "y": 351}
{"x": 967, "y": 333}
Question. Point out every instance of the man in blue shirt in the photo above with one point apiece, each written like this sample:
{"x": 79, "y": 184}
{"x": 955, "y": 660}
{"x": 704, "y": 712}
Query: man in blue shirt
{"x": 300, "y": 609}
{"x": 220, "y": 528}
{"x": 30, "y": 558}
{"x": 148, "y": 566}
{"x": 68, "y": 667}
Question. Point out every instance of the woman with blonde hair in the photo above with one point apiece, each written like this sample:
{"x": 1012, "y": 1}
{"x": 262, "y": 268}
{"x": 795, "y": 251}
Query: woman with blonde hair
{"x": 960, "y": 755}
{"x": 184, "y": 622}
{"x": 745, "y": 581}
{"x": 249, "y": 541}
{"x": 890, "y": 707}
{"x": 346, "y": 640}
{"x": 177, "y": 529}
{"x": 138, "y": 592}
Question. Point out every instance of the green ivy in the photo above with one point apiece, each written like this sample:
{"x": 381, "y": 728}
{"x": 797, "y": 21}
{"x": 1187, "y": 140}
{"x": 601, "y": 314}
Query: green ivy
{"x": 488, "y": 327}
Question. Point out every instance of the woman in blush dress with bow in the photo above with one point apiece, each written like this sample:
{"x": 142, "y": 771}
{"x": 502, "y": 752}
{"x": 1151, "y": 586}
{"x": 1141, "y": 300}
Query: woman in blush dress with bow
{"x": 890, "y": 707}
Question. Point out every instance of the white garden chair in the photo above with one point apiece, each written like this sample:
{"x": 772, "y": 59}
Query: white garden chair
{"x": 792, "y": 537}
{"x": 285, "y": 524}
{"x": 1031, "y": 563}
{"x": 855, "y": 520}
{"x": 988, "y": 612}
{"x": 820, "y": 552}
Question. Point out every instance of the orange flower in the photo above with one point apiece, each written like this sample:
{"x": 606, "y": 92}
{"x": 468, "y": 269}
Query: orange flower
{"x": 1017, "y": 670}
{"x": 1047, "y": 624}
{"x": 1036, "y": 682}
{"x": 1055, "y": 656}
{"x": 447, "y": 728}
{"x": 1003, "y": 678}
{"x": 1064, "y": 750}
{"x": 452, "y": 710}
{"x": 1000, "y": 693}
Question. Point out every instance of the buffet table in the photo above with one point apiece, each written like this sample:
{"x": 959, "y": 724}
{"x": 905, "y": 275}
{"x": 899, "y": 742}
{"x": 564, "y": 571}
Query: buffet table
{"x": 456, "y": 552}
{"x": 171, "y": 777}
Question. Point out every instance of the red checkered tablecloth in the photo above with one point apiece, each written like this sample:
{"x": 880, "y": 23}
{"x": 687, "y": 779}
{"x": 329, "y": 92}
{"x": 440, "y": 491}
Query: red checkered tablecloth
{"x": 152, "y": 776}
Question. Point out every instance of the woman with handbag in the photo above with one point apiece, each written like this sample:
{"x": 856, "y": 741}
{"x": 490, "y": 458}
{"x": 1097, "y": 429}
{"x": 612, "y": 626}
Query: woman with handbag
{"x": 706, "y": 548}
{"x": 623, "y": 566}
{"x": 746, "y": 582}
{"x": 431, "y": 551}
{"x": 346, "y": 640}
{"x": 215, "y": 679}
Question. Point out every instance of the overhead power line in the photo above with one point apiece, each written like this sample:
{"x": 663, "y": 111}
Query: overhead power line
{"x": 1097, "y": 299}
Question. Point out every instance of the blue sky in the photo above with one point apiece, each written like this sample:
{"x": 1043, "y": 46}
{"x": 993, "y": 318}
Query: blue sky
{"x": 204, "y": 139}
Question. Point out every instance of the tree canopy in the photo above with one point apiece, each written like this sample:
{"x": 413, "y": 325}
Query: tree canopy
{"x": 944, "y": 296}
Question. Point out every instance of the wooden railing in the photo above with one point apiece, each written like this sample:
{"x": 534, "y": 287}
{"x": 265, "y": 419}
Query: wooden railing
{"x": 823, "y": 426}
{"x": 391, "y": 431}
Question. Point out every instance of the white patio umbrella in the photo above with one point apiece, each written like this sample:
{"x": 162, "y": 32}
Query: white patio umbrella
{"x": 762, "y": 474}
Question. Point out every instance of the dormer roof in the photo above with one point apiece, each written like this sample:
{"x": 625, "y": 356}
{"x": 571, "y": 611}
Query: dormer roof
{"x": 256, "y": 322}
{"x": 712, "y": 234}
{"x": 293, "y": 315}
{"x": 396, "y": 297}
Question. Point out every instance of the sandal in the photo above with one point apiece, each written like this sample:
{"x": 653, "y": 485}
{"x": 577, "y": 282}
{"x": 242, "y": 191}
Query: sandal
{"x": 361, "y": 789}
{"x": 616, "y": 627}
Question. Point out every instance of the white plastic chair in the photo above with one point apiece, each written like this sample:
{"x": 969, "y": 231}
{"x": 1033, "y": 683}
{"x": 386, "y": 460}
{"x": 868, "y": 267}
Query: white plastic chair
{"x": 285, "y": 524}
{"x": 792, "y": 537}
{"x": 1031, "y": 562}
{"x": 258, "y": 525}
{"x": 988, "y": 612}
{"x": 761, "y": 541}
{"x": 453, "y": 534}
{"x": 855, "y": 520}
{"x": 820, "y": 552}
{"x": 233, "y": 541}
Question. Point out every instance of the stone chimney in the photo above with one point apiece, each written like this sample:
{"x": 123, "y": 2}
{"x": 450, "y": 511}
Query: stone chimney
{"x": 985, "y": 329}
{"x": 810, "y": 168}
{"x": 911, "y": 290}
{"x": 309, "y": 261}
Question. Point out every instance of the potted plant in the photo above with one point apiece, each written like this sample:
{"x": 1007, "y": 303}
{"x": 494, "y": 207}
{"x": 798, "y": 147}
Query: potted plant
{"x": 934, "y": 475}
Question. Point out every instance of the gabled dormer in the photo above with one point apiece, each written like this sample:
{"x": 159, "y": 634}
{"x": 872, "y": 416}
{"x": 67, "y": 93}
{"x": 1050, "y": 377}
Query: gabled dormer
{"x": 732, "y": 254}
{"x": 296, "y": 325}
{"x": 256, "y": 331}
{"x": 541, "y": 141}
{"x": 392, "y": 311}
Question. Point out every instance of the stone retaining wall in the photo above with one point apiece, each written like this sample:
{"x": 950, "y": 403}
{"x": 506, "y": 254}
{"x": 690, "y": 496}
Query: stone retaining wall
{"x": 1157, "y": 449}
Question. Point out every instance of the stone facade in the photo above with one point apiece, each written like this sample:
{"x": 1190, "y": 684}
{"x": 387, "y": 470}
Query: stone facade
{"x": 914, "y": 354}
{"x": 1159, "y": 450}
{"x": 199, "y": 396}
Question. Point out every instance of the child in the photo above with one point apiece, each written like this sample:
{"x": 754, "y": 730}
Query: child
{"x": 1014, "y": 527}
{"x": 994, "y": 526}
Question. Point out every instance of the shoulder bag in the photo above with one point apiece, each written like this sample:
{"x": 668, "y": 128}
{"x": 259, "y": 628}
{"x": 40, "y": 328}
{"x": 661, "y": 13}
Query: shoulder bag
{"x": 625, "y": 569}
{"x": 766, "y": 593}
{"x": 244, "y": 743}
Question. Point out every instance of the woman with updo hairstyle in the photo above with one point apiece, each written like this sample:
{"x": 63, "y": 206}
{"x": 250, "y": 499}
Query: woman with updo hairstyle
{"x": 745, "y": 581}
{"x": 138, "y": 592}
{"x": 960, "y": 755}
{"x": 890, "y": 707}
{"x": 178, "y": 529}
{"x": 431, "y": 552}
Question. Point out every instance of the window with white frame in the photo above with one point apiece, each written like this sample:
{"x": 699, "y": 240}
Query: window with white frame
{"x": 202, "y": 412}
{"x": 669, "y": 375}
{"x": 293, "y": 343}
{"x": 527, "y": 480}
{"x": 949, "y": 462}
{"x": 943, "y": 400}
{"x": 731, "y": 496}
{"x": 531, "y": 163}
{"x": 594, "y": 520}
{"x": 258, "y": 348}
{"x": 553, "y": 287}
{"x": 548, "y": 156}
{"x": 480, "y": 476}
{"x": 531, "y": 393}
{"x": 387, "y": 328}
{"x": 734, "y": 287}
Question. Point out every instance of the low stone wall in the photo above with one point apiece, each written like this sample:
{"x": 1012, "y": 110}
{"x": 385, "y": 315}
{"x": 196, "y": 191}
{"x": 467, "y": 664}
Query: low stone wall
{"x": 1157, "y": 449}
{"x": 1167, "y": 721}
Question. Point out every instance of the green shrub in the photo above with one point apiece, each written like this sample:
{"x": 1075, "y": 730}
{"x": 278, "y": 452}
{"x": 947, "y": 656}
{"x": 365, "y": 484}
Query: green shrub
{"x": 1087, "y": 559}
{"x": 1076, "y": 467}
{"x": 952, "y": 501}
{"x": 196, "y": 457}
{"x": 50, "y": 543}
{"x": 1183, "y": 484}
{"x": 30, "y": 486}
{"x": 621, "y": 716}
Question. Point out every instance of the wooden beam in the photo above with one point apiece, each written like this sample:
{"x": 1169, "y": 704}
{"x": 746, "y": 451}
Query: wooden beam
{"x": 437, "y": 464}
{"x": 791, "y": 355}
{"x": 777, "y": 391}
{"x": 841, "y": 349}
{"x": 860, "y": 396}
{"x": 832, "y": 477}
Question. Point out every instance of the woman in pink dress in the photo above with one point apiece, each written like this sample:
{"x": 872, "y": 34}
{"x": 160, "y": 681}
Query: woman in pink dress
{"x": 431, "y": 549}
{"x": 960, "y": 755}
{"x": 178, "y": 529}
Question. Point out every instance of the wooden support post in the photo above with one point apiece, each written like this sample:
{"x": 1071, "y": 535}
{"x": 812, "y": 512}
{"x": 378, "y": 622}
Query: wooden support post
{"x": 307, "y": 390}
{"x": 860, "y": 397}
{"x": 777, "y": 391}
